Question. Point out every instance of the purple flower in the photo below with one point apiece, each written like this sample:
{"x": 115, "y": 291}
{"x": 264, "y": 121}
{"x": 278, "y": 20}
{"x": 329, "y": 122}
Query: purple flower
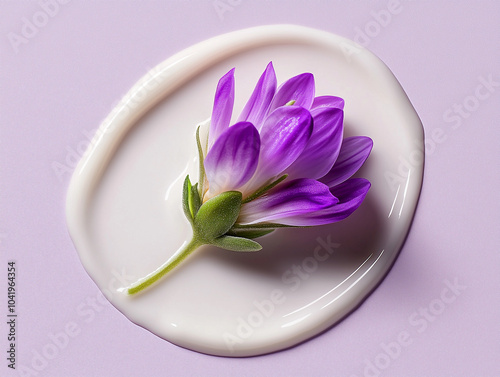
{"x": 283, "y": 163}
{"x": 285, "y": 132}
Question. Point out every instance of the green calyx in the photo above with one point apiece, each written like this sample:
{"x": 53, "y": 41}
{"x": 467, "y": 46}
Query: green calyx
{"x": 216, "y": 216}
{"x": 213, "y": 221}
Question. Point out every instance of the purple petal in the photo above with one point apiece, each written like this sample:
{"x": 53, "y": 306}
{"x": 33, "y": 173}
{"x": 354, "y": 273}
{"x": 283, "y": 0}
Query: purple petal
{"x": 223, "y": 107}
{"x": 328, "y": 101}
{"x": 232, "y": 160}
{"x": 257, "y": 106}
{"x": 299, "y": 89}
{"x": 283, "y": 138}
{"x": 288, "y": 202}
{"x": 323, "y": 147}
{"x": 350, "y": 195}
{"x": 353, "y": 153}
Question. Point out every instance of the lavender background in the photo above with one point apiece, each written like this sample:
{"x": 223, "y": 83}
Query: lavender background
{"x": 59, "y": 84}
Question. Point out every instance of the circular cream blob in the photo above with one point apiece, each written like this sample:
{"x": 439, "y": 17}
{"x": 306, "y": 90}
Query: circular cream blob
{"x": 124, "y": 202}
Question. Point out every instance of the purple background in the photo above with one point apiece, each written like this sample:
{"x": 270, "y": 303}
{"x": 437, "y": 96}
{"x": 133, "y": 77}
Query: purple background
{"x": 59, "y": 85}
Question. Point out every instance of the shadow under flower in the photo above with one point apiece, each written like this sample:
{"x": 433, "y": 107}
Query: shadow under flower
{"x": 340, "y": 246}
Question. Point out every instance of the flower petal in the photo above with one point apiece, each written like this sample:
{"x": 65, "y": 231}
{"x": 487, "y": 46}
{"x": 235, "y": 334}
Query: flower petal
{"x": 287, "y": 202}
{"x": 257, "y": 106}
{"x": 323, "y": 147}
{"x": 350, "y": 195}
{"x": 353, "y": 153}
{"x": 328, "y": 101}
{"x": 283, "y": 138}
{"x": 223, "y": 107}
{"x": 233, "y": 158}
{"x": 299, "y": 89}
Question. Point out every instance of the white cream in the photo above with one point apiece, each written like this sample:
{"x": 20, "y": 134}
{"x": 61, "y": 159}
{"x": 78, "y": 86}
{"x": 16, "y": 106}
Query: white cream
{"x": 124, "y": 201}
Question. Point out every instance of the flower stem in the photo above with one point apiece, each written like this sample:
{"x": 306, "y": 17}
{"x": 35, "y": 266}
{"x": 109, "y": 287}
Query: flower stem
{"x": 168, "y": 266}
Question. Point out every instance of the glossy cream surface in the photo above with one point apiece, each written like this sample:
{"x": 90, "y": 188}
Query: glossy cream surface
{"x": 124, "y": 202}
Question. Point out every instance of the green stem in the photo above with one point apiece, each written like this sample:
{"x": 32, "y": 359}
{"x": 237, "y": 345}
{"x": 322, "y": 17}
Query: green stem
{"x": 168, "y": 266}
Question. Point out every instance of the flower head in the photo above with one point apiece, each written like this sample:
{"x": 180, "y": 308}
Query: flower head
{"x": 285, "y": 132}
{"x": 284, "y": 162}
